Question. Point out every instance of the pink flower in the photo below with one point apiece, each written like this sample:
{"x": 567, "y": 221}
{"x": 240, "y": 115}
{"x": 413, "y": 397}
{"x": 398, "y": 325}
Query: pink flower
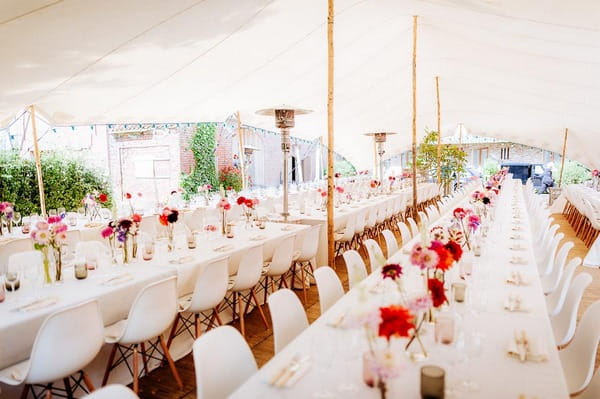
{"x": 42, "y": 237}
{"x": 459, "y": 213}
{"x": 419, "y": 304}
{"x": 595, "y": 172}
{"x": 54, "y": 219}
{"x": 41, "y": 225}
{"x": 429, "y": 259}
{"x": 474, "y": 222}
{"x": 60, "y": 238}
{"x": 323, "y": 194}
{"x": 3, "y": 206}
{"x": 339, "y": 189}
{"x": 255, "y": 201}
{"x": 60, "y": 228}
{"x": 106, "y": 232}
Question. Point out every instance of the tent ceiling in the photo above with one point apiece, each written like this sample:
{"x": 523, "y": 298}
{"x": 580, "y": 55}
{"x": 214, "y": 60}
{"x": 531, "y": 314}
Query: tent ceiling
{"x": 513, "y": 69}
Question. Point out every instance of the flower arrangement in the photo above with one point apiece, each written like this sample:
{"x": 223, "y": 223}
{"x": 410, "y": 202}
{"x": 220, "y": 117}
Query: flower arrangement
{"x": 391, "y": 180}
{"x": 168, "y": 218}
{"x": 595, "y": 179}
{"x": 7, "y": 213}
{"x": 50, "y": 235}
{"x": 204, "y": 190}
{"x": 130, "y": 199}
{"x": 374, "y": 184}
{"x": 118, "y": 234}
{"x": 223, "y": 205}
{"x": 468, "y": 221}
{"x": 248, "y": 204}
{"x": 90, "y": 203}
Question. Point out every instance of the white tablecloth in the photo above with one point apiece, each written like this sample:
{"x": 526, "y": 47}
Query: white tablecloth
{"x": 336, "y": 353}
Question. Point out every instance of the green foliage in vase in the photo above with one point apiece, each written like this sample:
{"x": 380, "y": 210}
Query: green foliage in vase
{"x": 202, "y": 146}
{"x": 230, "y": 177}
{"x": 490, "y": 167}
{"x": 452, "y": 159}
{"x": 66, "y": 182}
{"x": 573, "y": 173}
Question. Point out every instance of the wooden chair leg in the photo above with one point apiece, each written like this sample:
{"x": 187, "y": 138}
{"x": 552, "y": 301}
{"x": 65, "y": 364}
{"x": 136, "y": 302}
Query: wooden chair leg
{"x": 111, "y": 359}
{"x": 303, "y": 281}
{"x": 145, "y": 358}
{"x": 262, "y": 314}
{"x": 171, "y": 362}
{"x": 216, "y": 310}
{"x": 242, "y": 325}
{"x": 87, "y": 381}
{"x": 48, "y": 391}
{"x": 136, "y": 370}
{"x": 25, "y": 391}
{"x": 173, "y": 330}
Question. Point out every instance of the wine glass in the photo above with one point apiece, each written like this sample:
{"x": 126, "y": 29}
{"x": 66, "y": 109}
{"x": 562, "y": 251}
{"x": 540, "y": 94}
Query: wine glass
{"x": 62, "y": 212}
{"x": 13, "y": 282}
{"x": 52, "y": 212}
{"x": 81, "y": 212}
{"x": 17, "y": 218}
{"x": 471, "y": 347}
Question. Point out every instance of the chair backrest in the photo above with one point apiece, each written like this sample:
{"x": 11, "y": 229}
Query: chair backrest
{"x": 288, "y": 316}
{"x": 593, "y": 390}
{"x": 414, "y": 229}
{"x": 376, "y": 258}
{"x": 223, "y": 361}
{"x": 423, "y": 217}
{"x": 195, "y": 220}
{"x": 329, "y": 287}
{"x": 390, "y": 242}
{"x": 551, "y": 282}
{"x": 73, "y": 237}
{"x": 564, "y": 323}
{"x": 360, "y": 221}
{"x": 282, "y": 257}
{"x": 349, "y": 230}
{"x": 112, "y": 391}
{"x": 310, "y": 243}
{"x": 405, "y": 233}
{"x": 67, "y": 341}
{"x": 159, "y": 300}
{"x": 547, "y": 262}
{"x": 25, "y": 259}
{"x": 357, "y": 270}
{"x": 249, "y": 269}
{"x": 579, "y": 357}
{"x": 211, "y": 286}
{"x": 149, "y": 225}
{"x": 11, "y": 247}
{"x": 371, "y": 217}
{"x": 556, "y": 299}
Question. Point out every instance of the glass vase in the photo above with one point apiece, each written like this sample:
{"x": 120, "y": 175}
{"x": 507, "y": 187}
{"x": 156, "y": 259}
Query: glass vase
{"x": 46, "y": 265}
{"x": 57, "y": 264}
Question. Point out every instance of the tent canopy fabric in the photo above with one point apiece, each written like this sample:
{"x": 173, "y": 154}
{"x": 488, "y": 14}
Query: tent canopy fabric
{"x": 513, "y": 69}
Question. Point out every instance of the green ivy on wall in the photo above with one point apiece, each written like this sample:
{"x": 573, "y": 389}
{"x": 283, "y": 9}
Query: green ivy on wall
{"x": 66, "y": 182}
{"x": 202, "y": 146}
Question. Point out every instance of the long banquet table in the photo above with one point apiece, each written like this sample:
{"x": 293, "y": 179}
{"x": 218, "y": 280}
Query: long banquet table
{"x": 336, "y": 353}
{"x": 18, "y": 329}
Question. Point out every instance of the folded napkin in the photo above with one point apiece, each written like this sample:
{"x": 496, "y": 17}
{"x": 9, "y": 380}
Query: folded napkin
{"x": 514, "y": 303}
{"x": 517, "y": 278}
{"x": 291, "y": 372}
{"x": 258, "y": 238}
{"x": 516, "y": 228}
{"x": 526, "y": 348}
{"x": 517, "y": 247}
{"x": 287, "y": 227}
{"x": 37, "y": 304}
{"x": 517, "y": 260}
{"x": 118, "y": 280}
{"x": 516, "y": 237}
{"x": 183, "y": 259}
{"x": 223, "y": 248}
{"x": 93, "y": 224}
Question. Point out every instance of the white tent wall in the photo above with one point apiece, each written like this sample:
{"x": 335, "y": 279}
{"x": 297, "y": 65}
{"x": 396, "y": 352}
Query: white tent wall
{"x": 513, "y": 69}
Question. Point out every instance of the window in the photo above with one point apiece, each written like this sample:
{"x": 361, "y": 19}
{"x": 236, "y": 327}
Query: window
{"x": 505, "y": 153}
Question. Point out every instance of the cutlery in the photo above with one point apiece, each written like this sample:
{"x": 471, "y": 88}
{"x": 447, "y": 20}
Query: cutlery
{"x": 291, "y": 372}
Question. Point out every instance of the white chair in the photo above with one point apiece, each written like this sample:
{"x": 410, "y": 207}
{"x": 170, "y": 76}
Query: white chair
{"x": 593, "y": 389}
{"x": 209, "y": 292}
{"x": 223, "y": 361}
{"x": 376, "y": 258}
{"x": 304, "y": 260}
{"x": 95, "y": 249}
{"x": 12, "y": 247}
{"x": 550, "y": 282}
{"x": 195, "y": 220}
{"x": 288, "y": 316}
{"x": 26, "y": 259}
{"x": 357, "y": 270}
{"x": 279, "y": 265}
{"x": 556, "y": 300}
{"x": 371, "y": 222}
{"x": 158, "y": 300}
{"x": 405, "y": 233}
{"x": 66, "y": 343}
{"x": 390, "y": 242}
{"x": 579, "y": 357}
{"x": 113, "y": 391}
{"x": 242, "y": 285}
{"x": 359, "y": 227}
{"x": 149, "y": 225}
{"x": 564, "y": 323}
{"x": 329, "y": 287}
{"x": 344, "y": 239}
{"x": 414, "y": 229}
{"x": 547, "y": 263}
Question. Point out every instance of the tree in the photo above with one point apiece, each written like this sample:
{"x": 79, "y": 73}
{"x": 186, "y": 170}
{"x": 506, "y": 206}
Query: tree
{"x": 452, "y": 159}
{"x": 202, "y": 146}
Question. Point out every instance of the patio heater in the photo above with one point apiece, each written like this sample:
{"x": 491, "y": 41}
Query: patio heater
{"x": 379, "y": 139}
{"x": 284, "y": 120}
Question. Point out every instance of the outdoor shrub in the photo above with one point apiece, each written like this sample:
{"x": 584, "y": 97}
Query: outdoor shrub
{"x": 230, "y": 176}
{"x": 202, "y": 145}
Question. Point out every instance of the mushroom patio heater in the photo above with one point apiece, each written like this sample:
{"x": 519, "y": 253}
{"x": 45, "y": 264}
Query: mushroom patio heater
{"x": 380, "y": 139}
{"x": 284, "y": 120}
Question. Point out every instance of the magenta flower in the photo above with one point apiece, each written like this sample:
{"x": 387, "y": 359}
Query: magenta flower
{"x": 107, "y": 232}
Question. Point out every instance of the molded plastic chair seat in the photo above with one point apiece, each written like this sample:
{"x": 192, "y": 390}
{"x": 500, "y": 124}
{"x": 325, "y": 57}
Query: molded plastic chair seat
{"x": 288, "y": 316}
{"x": 593, "y": 390}
{"x": 556, "y": 300}
{"x": 222, "y": 361}
{"x": 357, "y": 270}
{"x": 376, "y": 258}
{"x": 329, "y": 287}
{"x": 391, "y": 243}
{"x": 57, "y": 353}
{"x": 113, "y": 391}
{"x": 564, "y": 323}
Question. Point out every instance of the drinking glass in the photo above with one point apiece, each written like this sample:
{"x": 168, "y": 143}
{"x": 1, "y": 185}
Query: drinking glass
{"x": 62, "y": 212}
{"x": 13, "y": 282}
{"x": 81, "y": 212}
{"x": 471, "y": 347}
{"x": 52, "y": 212}
{"x": 17, "y": 218}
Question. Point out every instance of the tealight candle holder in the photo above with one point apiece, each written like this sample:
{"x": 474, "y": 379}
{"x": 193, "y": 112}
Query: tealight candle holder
{"x": 459, "y": 291}
{"x": 191, "y": 241}
{"x": 81, "y": 270}
{"x": 432, "y": 382}
{"x": 148, "y": 251}
{"x": 444, "y": 329}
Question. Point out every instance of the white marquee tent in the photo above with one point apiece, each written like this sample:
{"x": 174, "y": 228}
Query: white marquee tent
{"x": 522, "y": 70}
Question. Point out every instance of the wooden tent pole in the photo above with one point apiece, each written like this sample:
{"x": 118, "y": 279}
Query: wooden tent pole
{"x": 562, "y": 161}
{"x": 38, "y": 162}
{"x": 439, "y": 141}
{"x": 330, "y": 143}
{"x": 242, "y": 155}
{"x": 414, "y": 120}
